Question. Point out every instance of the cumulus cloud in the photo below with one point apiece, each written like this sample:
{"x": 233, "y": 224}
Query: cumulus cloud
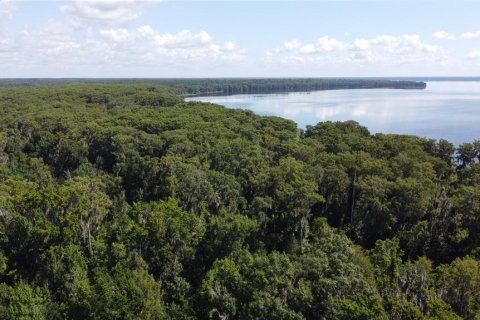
{"x": 388, "y": 48}
{"x": 230, "y": 46}
{"x": 382, "y": 49}
{"x": 184, "y": 39}
{"x": 51, "y": 39}
{"x": 70, "y": 46}
{"x": 7, "y": 7}
{"x": 116, "y": 35}
{"x": 53, "y": 43}
{"x": 290, "y": 46}
{"x": 150, "y": 42}
{"x": 470, "y": 35}
{"x": 443, "y": 35}
{"x": 327, "y": 44}
{"x": 322, "y": 45}
{"x": 107, "y": 11}
{"x": 474, "y": 54}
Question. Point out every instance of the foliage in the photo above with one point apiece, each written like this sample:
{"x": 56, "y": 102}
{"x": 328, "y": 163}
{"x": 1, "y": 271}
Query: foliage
{"x": 121, "y": 201}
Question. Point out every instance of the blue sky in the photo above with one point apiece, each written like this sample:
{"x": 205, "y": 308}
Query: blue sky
{"x": 130, "y": 38}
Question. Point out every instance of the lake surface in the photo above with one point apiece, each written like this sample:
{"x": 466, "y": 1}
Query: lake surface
{"x": 449, "y": 110}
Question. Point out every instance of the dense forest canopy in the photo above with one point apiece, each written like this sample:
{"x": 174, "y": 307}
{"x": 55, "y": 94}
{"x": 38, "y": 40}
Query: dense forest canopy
{"x": 229, "y": 86}
{"x": 122, "y": 201}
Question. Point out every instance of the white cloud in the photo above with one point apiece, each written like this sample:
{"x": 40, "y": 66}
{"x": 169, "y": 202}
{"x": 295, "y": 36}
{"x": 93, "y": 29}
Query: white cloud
{"x": 327, "y": 44}
{"x": 470, "y": 35}
{"x": 184, "y": 39}
{"x": 146, "y": 36}
{"x": 323, "y": 44}
{"x": 386, "y": 49}
{"x": 75, "y": 49}
{"x": 361, "y": 44}
{"x": 145, "y": 30}
{"x": 308, "y": 49}
{"x": 230, "y": 46}
{"x": 443, "y": 35}
{"x": 38, "y": 44}
{"x": 474, "y": 54}
{"x": 107, "y": 11}
{"x": 116, "y": 35}
{"x": 394, "y": 49}
{"x": 292, "y": 45}
{"x": 7, "y": 7}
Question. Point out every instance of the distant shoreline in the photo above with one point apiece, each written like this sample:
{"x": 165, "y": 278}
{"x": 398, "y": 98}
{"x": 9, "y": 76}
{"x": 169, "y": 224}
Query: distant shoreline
{"x": 95, "y": 79}
{"x": 233, "y": 86}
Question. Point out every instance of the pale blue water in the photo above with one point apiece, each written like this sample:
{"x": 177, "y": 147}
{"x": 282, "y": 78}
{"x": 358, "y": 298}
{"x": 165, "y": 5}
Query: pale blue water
{"x": 448, "y": 110}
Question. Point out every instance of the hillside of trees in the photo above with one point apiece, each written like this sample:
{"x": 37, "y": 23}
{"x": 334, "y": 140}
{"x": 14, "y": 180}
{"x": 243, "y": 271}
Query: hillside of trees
{"x": 122, "y": 201}
{"x": 230, "y": 86}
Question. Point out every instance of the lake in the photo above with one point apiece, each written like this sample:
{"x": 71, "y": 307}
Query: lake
{"x": 448, "y": 110}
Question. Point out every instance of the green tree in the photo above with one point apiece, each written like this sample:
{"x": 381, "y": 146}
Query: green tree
{"x": 23, "y": 302}
{"x": 459, "y": 285}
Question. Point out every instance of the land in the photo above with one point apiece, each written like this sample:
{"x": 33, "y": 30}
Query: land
{"x": 230, "y": 86}
{"x": 123, "y": 201}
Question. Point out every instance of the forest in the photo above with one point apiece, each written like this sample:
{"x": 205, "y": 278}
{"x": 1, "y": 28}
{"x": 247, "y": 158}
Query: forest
{"x": 189, "y": 87}
{"x": 122, "y": 201}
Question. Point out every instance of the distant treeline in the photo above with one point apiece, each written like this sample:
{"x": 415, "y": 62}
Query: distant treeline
{"x": 218, "y": 86}
{"x": 194, "y": 87}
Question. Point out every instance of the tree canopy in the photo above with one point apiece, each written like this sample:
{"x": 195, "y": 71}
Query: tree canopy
{"x": 122, "y": 201}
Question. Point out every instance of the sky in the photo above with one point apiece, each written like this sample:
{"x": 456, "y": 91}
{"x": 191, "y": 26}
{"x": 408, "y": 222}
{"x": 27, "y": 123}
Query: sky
{"x": 137, "y": 39}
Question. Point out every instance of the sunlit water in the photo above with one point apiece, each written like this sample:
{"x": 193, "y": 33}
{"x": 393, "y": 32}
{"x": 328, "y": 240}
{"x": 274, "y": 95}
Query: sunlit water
{"x": 449, "y": 110}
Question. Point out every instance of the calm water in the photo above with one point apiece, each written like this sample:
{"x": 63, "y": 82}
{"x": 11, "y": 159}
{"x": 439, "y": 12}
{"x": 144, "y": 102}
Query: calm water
{"x": 449, "y": 110}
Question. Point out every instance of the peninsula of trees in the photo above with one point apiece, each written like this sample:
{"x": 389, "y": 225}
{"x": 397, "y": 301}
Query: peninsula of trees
{"x": 230, "y": 86}
{"x": 122, "y": 201}
{"x": 206, "y": 87}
